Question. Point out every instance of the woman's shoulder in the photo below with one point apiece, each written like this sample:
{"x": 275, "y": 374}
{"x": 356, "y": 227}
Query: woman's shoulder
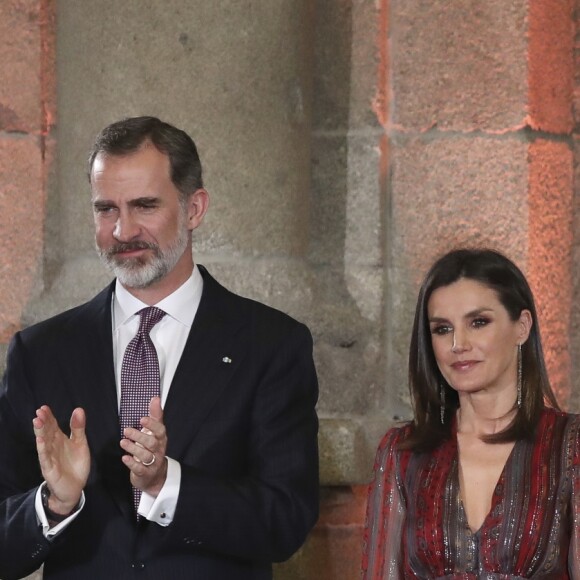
{"x": 395, "y": 435}
{"x": 552, "y": 416}
{"x": 388, "y": 456}
{"x": 560, "y": 426}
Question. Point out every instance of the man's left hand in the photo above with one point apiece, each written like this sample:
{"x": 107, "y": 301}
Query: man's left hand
{"x": 146, "y": 451}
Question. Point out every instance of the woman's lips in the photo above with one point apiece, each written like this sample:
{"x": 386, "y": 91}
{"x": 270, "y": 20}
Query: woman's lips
{"x": 464, "y": 365}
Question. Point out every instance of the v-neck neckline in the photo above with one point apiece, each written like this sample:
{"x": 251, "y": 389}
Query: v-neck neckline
{"x": 496, "y": 489}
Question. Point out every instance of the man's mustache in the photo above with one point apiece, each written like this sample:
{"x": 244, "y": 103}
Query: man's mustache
{"x": 130, "y": 247}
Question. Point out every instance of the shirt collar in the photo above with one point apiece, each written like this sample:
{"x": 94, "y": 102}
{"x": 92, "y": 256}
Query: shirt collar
{"x": 181, "y": 304}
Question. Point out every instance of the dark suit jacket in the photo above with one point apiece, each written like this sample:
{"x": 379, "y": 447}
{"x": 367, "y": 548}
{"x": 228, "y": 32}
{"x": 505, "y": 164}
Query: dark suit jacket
{"x": 245, "y": 433}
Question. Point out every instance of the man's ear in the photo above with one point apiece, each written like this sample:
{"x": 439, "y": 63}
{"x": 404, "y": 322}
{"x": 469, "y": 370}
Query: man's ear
{"x": 197, "y": 205}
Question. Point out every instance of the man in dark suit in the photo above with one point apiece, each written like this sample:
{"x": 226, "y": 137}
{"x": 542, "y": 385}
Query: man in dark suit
{"x": 219, "y": 476}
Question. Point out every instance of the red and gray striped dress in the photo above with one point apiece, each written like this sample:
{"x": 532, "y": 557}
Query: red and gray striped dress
{"x": 416, "y": 525}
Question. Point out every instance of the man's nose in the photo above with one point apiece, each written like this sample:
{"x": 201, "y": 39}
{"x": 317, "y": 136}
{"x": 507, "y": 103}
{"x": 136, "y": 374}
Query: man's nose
{"x": 126, "y": 228}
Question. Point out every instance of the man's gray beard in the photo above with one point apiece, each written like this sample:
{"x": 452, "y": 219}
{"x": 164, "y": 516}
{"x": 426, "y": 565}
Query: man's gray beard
{"x": 140, "y": 272}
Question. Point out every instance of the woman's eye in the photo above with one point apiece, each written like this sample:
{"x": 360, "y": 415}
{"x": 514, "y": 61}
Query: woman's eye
{"x": 441, "y": 330}
{"x": 480, "y": 322}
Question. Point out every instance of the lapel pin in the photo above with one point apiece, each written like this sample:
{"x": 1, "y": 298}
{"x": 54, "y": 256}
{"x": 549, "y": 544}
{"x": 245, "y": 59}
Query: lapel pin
{"x": 227, "y": 359}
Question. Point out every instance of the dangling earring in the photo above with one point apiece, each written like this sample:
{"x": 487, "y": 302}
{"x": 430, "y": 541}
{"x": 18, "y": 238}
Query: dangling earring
{"x": 519, "y": 399}
{"x": 442, "y": 403}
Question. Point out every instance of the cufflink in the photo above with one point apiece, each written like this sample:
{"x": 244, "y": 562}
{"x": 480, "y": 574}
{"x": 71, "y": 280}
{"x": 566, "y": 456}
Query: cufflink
{"x": 227, "y": 359}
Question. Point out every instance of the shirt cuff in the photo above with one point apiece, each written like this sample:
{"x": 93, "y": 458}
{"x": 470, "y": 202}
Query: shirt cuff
{"x": 43, "y": 520}
{"x": 161, "y": 509}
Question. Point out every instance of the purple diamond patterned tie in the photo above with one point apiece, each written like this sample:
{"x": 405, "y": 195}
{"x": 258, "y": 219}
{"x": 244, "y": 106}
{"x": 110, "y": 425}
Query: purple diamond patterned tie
{"x": 139, "y": 377}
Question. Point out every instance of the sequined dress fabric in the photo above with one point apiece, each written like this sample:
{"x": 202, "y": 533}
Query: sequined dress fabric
{"x": 417, "y": 528}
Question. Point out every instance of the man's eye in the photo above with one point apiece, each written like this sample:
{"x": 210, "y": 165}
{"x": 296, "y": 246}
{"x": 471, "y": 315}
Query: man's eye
{"x": 441, "y": 330}
{"x": 103, "y": 209}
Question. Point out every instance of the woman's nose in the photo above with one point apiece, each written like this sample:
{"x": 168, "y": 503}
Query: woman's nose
{"x": 460, "y": 342}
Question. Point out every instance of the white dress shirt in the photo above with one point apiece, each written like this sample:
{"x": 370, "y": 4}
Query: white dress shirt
{"x": 169, "y": 336}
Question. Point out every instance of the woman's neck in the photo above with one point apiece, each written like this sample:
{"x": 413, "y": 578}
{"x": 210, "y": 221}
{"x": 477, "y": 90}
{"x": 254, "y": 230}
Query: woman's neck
{"x": 484, "y": 414}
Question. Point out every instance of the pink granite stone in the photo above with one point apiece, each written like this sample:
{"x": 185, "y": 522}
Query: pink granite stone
{"x": 550, "y": 265}
{"x": 21, "y": 228}
{"x": 20, "y": 55}
{"x": 551, "y": 66}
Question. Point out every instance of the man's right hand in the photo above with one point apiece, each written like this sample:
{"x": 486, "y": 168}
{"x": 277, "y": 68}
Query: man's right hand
{"x": 65, "y": 462}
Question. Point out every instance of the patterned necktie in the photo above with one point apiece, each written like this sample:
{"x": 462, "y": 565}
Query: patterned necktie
{"x": 139, "y": 377}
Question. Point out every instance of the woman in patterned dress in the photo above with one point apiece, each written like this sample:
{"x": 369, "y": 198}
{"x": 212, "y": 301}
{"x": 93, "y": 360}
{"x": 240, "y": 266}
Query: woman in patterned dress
{"x": 484, "y": 483}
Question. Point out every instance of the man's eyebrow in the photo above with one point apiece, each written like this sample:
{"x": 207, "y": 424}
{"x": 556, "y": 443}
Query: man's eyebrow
{"x": 102, "y": 203}
{"x": 150, "y": 200}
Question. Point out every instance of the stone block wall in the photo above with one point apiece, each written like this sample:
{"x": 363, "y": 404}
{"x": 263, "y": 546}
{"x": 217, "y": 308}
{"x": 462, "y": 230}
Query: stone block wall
{"x": 27, "y": 116}
{"x": 27, "y": 151}
{"x": 346, "y": 144}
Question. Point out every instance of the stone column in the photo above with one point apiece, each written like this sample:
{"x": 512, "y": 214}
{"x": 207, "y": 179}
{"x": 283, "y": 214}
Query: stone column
{"x": 481, "y": 153}
{"x": 27, "y": 143}
{"x": 27, "y": 116}
{"x": 236, "y": 76}
{"x": 347, "y": 255}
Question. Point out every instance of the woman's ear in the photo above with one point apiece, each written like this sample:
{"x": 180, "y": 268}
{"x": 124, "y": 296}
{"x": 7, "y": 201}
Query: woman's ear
{"x": 525, "y": 323}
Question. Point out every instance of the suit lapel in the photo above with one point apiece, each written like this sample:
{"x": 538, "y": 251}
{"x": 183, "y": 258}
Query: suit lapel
{"x": 87, "y": 362}
{"x": 93, "y": 384}
{"x": 210, "y": 357}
